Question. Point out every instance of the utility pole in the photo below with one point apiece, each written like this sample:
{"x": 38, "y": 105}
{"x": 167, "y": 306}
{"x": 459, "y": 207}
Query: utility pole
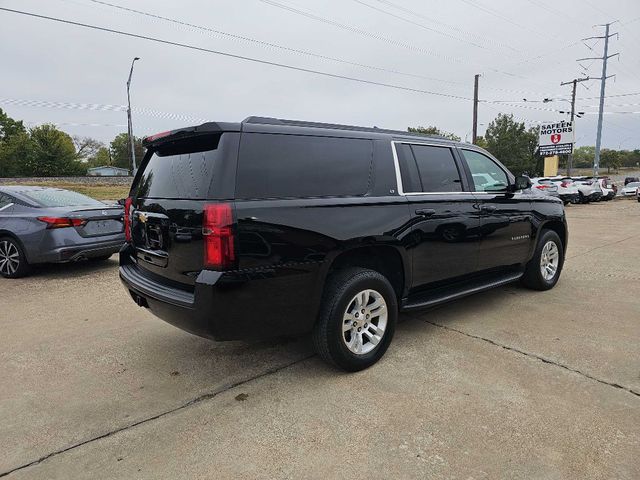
{"x": 573, "y": 82}
{"x": 474, "y": 136}
{"x": 129, "y": 123}
{"x": 603, "y": 82}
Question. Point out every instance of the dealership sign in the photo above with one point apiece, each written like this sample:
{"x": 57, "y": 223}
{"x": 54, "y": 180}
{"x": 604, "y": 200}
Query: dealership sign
{"x": 556, "y": 138}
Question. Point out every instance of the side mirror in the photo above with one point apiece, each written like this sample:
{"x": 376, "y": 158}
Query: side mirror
{"x": 121, "y": 202}
{"x": 521, "y": 183}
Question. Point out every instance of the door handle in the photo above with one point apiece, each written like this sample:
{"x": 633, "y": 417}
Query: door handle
{"x": 425, "y": 212}
{"x": 488, "y": 208}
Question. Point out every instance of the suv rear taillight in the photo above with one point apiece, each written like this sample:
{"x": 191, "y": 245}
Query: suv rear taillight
{"x": 217, "y": 230}
{"x": 62, "y": 222}
{"x": 564, "y": 184}
{"x": 127, "y": 218}
{"x": 542, "y": 187}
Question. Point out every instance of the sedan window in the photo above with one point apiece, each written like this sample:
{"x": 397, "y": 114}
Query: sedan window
{"x": 52, "y": 197}
{"x": 5, "y": 201}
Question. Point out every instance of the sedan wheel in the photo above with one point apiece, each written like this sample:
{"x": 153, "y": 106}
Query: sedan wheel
{"x": 12, "y": 261}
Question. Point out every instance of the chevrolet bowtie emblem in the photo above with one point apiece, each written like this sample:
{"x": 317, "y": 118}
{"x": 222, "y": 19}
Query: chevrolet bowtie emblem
{"x": 143, "y": 217}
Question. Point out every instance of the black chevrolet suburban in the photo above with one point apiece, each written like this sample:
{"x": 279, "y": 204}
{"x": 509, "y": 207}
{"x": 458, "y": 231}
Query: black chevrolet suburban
{"x": 273, "y": 227}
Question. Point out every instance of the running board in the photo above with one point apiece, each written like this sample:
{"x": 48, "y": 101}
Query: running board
{"x": 440, "y": 295}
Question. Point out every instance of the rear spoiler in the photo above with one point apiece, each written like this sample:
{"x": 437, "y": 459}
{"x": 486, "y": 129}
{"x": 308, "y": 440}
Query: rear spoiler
{"x": 205, "y": 129}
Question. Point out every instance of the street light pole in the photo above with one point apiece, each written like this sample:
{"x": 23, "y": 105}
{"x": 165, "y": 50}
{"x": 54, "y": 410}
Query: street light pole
{"x": 129, "y": 123}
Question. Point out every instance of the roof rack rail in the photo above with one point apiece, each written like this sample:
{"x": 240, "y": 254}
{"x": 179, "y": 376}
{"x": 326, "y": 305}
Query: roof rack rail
{"x": 334, "y": 126}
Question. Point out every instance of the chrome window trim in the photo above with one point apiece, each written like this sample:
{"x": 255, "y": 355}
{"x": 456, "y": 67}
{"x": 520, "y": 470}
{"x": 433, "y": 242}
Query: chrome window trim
{"x": 7, "y": 206}
{"x": 396, "y": 163}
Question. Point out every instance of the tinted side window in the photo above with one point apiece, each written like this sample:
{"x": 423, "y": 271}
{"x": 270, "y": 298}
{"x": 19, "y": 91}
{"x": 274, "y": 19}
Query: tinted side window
{"x": 437, "y": 168}
{"x": 487, "y": 175}
{"x": 5, "y": 200}
{"x": 408, "y": 168}
{"x": 281, "y": 166}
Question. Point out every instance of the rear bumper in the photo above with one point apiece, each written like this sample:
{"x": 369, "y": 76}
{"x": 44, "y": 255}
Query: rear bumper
{"x": 570, "y": 197}
{"x": 593, "y": 196}
{"x": 71, "y": 253}
{"x": 228, "y": 305}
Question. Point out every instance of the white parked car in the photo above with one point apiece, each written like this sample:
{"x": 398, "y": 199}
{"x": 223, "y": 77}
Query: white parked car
{"x": 588, "y": 189}
{"x": 544, "y": 186}
{"x": 567, "y": 189}
{"x": 608, "y": 192}
{"x": 630, "y": 189}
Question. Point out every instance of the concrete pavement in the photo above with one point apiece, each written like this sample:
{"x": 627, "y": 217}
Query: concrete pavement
{"x": 506, "y": 384}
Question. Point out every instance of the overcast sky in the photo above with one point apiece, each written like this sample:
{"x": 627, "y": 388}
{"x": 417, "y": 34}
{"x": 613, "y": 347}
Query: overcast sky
{"x": 522, "y": 49}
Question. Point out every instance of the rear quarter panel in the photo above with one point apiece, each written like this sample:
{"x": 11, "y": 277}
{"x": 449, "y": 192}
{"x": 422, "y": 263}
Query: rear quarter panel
{"x": 286, "y": 247}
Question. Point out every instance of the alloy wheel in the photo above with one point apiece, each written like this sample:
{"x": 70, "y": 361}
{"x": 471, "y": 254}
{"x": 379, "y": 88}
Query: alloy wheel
{"x": 9, "y": 258}
{"x": 364, "y": 322}
{"x": 549, "y": 260}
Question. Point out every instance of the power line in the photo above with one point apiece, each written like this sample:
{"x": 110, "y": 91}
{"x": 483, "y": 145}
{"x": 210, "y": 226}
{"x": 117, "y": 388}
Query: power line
{"x": 238, "y": 57}
{"x": 360, "y": 2}
{"x": 560, "y": 97}
{"x": 364, "y": 33}
{"x": 271, "y": 45}
{"x": 499, "y": 15}
{"x": 452, "y": 27}
{"x": 98, "y": 107}
{"x": 391, "y": 41}
{"x": 294, "y": 50}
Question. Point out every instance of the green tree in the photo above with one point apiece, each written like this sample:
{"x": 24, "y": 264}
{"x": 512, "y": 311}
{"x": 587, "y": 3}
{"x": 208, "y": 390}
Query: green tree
{"x": 610, "y": 159}
{"x": 16, "y": 152}
{"x": 513, "y": 144}
{"x": 434, "y": 131}
{"x": 14, "y": 146}
{"x": 9, "y": 127}
{"x": 120, "y": 151}
{"x": 53, "y": 153}
{"x": 101, "y": 158}
{"x": 481, "y": 142}
{"x": 583, "y": 156}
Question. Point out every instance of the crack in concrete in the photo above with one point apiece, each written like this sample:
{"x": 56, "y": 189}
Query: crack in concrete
{"x": 191, "y": 402}
{"x": 535, "y": 356}
{"x": 602, "y": 246}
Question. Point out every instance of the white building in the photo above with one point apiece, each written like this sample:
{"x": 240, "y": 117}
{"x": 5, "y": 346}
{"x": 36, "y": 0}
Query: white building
{"x": 107, "y": 171}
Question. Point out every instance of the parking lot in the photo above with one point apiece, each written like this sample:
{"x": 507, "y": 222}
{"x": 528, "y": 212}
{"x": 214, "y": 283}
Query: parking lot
{"x": 506, "y": 384}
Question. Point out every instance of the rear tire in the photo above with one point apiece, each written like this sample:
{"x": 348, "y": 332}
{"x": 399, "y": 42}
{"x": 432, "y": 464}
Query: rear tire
{"x": 13, "y": 262}
{"x": 357, "y": 319}
{"x": 543, "y": 270}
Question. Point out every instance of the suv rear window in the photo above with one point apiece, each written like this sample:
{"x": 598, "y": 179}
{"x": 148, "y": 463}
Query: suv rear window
{"x": 179, "y": 169}
{"x": 285, "y": 166}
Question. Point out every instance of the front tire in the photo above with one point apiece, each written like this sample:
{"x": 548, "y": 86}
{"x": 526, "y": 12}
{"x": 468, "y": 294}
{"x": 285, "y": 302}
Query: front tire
{"x": 13, "y": 262}
{"x": 543, "y": 270}
{"x": 357, "y": 319}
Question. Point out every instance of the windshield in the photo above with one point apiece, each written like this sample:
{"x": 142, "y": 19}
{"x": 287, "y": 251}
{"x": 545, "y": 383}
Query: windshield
{"x": 51, "y": 197}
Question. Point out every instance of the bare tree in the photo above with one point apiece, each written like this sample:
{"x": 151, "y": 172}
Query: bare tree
{"x": 86, "y": 147}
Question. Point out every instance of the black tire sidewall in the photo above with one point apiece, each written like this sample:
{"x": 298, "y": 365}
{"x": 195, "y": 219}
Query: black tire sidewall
{"x": 342, "y": 356}
{"x": 546, "y": 236}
